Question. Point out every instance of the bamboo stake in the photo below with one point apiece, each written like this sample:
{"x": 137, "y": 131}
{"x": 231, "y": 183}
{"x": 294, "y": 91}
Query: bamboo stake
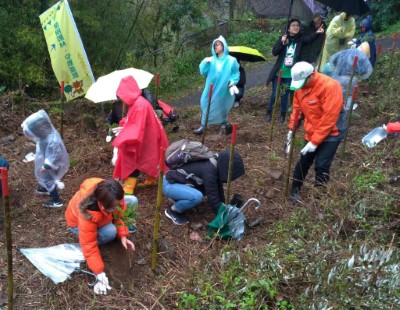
{"x": 207, "y": 112}
{"x": 158, "y": 207}
{"x": 155, "y": 103}
{"x": 275, "y": 108}
{"x": 392, "y": 53}
{"x": 230, "y": 169}
{"x": 353, "y": 98}
{"x": 290, "y": 156}
{"x": 62, "y": 109}
{"x": 7, "y": 227}
{"x": 320, "y": 55}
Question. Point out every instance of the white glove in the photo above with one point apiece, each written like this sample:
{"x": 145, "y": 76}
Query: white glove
{"x": 117, "y": 130}
{"x": 308, "y": 148}
{"x": 289, "y": 136}
{"x": 233, "y": 90}
{"x": 101, "y": 287}
{"x": 115, "y": 156}
{"x": 109, "y": 136}
{"x": 208, "y": 59}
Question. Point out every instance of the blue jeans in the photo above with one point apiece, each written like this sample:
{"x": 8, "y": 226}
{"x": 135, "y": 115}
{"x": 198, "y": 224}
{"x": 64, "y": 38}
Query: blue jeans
{"x": 285, "y": 83}
{"x": 105, "y": 233}
{"x": 185, "y": 196}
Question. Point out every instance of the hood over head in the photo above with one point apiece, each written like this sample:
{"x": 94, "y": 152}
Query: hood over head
{"x": 37, "y": 125}
{"x": 223, "y": 166}
{"x": 128, "y": 90}
{"x": 223, "y": 41}
{"x": 367, "y": 23}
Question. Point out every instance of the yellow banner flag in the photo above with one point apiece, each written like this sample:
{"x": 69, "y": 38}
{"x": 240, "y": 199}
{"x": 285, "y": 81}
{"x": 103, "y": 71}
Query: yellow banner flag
{"x": 68, "y": 57}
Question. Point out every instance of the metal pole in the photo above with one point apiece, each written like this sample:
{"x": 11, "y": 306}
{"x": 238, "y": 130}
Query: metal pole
{"x": 207, "y": 112}
{"x": 158, "y": 207}
{"x": 230, "y": 169}
{"x": 7, "y": 226}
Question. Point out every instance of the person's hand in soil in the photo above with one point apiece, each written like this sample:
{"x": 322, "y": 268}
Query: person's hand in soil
{"x": 127, "y": 243}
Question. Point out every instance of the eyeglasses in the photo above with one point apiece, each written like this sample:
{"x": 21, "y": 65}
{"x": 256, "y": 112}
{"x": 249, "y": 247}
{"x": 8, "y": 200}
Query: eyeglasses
{"x": 294, "y": 26}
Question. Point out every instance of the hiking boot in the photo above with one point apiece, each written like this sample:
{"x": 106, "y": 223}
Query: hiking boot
{"x": 199, "y": 130}
{"x": 269, "y": 116}
{"x": 42, "y": 191}
{"x": 294, "y": 195}
{"x": 52, "y": 204}
{"x": 282, "y": 117}
{"x": 176, "y": 217}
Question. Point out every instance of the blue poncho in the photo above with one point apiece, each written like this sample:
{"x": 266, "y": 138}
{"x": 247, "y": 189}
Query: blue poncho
{"x": 220, "y": 72}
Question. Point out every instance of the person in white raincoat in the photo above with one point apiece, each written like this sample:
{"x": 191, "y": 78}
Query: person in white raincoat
{"x": 340, "y": 30}
{"x": 51, "y": 158}
{"x": 222, "y": 70}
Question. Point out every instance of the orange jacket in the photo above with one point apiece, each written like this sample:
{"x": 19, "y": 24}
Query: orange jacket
{"x": 321, "y": 105}
{"x": 88, "y": 221}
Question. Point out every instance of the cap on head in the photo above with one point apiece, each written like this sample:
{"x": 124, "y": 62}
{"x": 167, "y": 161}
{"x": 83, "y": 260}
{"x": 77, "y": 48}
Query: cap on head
{"x": 300, "y": 72}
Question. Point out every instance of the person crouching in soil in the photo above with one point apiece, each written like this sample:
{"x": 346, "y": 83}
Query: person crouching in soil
{"x": 140, "y": 139}
{"x": 204, "y": 177}
{"x": 95, "y": 216}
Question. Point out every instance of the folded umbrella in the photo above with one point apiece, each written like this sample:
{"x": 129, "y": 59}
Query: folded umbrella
{"x": 244, "y": 53}
{"x": 105, "y": 88}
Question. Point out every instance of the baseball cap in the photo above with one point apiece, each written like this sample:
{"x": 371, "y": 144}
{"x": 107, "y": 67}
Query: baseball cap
{"x": 300, "y": 72}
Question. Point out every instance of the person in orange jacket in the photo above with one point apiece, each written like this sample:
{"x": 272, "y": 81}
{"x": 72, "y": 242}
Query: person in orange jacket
{"x": 93, "y": 216}
{"x": 319, "y": 99}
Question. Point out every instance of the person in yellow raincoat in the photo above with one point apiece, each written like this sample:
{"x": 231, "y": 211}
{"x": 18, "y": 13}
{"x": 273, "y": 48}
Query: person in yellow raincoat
{"x": 340, "y": 30}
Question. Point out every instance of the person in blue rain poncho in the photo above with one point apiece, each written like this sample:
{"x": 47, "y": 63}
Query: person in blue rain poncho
{"x": 222, "y": 70}
{"x": 51, "y": 158}
{"x": 367, "y": 35}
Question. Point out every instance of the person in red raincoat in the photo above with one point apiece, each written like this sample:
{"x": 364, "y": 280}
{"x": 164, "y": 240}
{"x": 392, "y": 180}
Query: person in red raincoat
{"x": 140, "y": 139}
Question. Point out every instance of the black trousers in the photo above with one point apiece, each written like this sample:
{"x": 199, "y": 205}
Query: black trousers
{"x": 323, "y": 157}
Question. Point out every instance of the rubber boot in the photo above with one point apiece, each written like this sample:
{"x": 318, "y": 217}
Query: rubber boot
{"x": 150, "y": 181}
{"x": 129, "y": 185}
{"x": 294, "y": 195}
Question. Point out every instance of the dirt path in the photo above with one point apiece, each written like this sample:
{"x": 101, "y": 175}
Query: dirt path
{"x": 257, "y": 75}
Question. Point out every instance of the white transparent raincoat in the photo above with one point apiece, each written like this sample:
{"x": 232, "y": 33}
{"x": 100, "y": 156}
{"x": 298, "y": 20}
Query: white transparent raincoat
{"x": 50, "y": 150}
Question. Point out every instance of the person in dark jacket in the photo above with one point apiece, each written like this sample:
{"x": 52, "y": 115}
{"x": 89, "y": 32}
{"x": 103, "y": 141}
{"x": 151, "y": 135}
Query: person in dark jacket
{"x": 187, "y": 185}
{"x": 240, "y": 85}
{"x": 287, "y": 48}
{"x": 310, "y": 52}
{"x": 367, "y": 36}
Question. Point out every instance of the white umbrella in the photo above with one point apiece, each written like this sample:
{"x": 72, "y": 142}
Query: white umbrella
{"x": 105, "y": 88}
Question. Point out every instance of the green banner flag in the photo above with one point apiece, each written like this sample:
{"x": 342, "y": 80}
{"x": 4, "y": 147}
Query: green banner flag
{"x": 68, "y": 56}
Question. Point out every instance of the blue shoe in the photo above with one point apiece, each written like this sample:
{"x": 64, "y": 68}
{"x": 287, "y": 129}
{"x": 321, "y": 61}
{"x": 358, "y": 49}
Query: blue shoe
{"x": 132, "y": 228}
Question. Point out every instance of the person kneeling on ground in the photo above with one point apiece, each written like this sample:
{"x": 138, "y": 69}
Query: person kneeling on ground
{"x": 319, "y": 98}
{"x": 94, "y": 215}
{"x": 187, "y": 185}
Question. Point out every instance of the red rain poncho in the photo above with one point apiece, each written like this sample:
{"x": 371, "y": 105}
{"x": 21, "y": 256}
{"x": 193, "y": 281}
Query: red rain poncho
{"x": 140, "y": 140}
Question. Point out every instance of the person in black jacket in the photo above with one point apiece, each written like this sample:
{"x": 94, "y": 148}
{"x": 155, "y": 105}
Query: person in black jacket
{"x": 310, "y": 52}
{"x": 240, "y": 85}
{"x": 187, "y": 185}
{"x": 287, "y": 48}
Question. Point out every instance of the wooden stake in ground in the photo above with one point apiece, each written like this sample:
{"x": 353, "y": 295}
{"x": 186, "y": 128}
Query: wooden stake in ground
{"x": 62, "y": 109}
{"x": 290, "y": 155}
{"x": 158, "y": 207}
{"x": 353, "y": 98}
{"x": 207, "y": 112}
{"x": 155, "y": 103}
{"x": 392, "y": 53}
{"x": 230, "y": 169}
{"x": 7, "y": 227}
{"x": 320, "y": 55}
{"x": 276, "y": 105}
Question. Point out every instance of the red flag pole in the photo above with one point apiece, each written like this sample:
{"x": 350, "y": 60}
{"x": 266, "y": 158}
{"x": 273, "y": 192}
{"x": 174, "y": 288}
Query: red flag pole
{"x": 7, "y": 226}
{"x": 231, "y": 157}
{"x": 158, "y": 207}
